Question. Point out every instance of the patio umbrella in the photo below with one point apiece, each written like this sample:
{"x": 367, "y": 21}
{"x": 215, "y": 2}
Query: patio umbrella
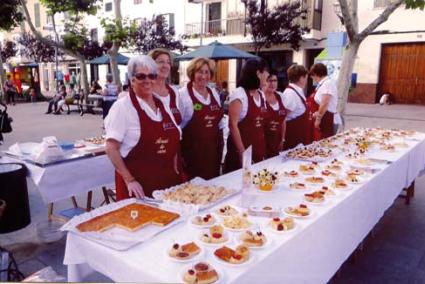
{"x": 104, "y": 59}
{"x": 217, "y": 51}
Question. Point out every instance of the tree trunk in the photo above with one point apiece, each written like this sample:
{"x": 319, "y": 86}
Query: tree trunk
{"x": 344, "y": 77}
{"x": 83, "y": 77}
{"x": 2, "y": 94}
{"x": 113, "y": 52}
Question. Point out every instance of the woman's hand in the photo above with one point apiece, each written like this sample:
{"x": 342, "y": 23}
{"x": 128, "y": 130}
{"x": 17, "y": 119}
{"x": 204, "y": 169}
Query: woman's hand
{"x": 135, "y": 189}
{"x": 176, "y": 164}
{"x": 317, "y": 122}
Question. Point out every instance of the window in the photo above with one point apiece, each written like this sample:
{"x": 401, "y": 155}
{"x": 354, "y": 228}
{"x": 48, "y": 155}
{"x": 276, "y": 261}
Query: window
{"x": 138, "y": 2}
{"x": 317, "y": 15}
{"x": 382, "y": 3}
{"x": 108, "y": 7}
{"x": 150, "y": 1}
{"x": 169, "y": 19}
{"x": 93, "y": 35}
{"x": 37, "y": 15}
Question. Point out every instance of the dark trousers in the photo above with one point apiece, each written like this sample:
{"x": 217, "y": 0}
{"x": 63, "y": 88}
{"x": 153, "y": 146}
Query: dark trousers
{"x": 10, "y": 97}
{"x": 106, "y": 106}
{"x": 52, "y": 103}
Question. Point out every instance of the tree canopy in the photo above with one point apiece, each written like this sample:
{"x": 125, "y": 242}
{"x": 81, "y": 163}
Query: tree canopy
{"x": 10, "y": 15}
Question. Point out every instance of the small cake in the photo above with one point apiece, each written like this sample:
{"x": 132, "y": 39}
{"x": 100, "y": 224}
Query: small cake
{"x": 297, "y": 185}
{"x": 340, "y": 183}
{"x": 315, "y": 197}
{"x": 203, "y": 220}
{"x": 183, "y": 252}
{"x": 315, "y": 179}
{"x": 227, "y": 210}
{"x": 291, "y": 174}
{"x": 237, "y": 256}
{"x": 200, "y": 273}
{"x": 327, "y": 173}
{"x": 327, "y": 191}
{"x": 301, "y": 210}
{"x": 214, "y": 236}
{"x": 307, "y": 169}
{"x": 282, "y": 224}
{"x": 253, "y": 239}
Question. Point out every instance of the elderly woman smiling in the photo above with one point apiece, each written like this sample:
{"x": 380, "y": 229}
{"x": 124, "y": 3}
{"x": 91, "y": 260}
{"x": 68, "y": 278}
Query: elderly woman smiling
{"x": 142, "y": 137}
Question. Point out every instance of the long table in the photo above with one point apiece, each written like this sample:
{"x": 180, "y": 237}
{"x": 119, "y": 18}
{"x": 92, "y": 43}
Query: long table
{"x": 310, "y": 254}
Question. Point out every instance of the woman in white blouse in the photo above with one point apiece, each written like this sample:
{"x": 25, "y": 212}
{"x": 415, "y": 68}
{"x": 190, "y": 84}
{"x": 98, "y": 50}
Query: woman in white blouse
{"x": 202, "y": 122}
{"x": 142, "y": 137}
{"x": 322, "y": 102}
{"x": 247, "y": 111}
{"x": 163, "y": 91}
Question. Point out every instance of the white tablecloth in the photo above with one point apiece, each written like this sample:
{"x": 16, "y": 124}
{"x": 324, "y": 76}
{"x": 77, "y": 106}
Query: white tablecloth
{"x": 60, "y": 181}
{"x": 311, "y": 254}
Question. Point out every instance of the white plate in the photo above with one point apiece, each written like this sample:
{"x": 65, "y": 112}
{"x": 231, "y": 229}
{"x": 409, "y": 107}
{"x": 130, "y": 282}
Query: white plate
{"x": 299, "y": 189}
{"x": 270, "y": 229}
{"x": 226, "y": 234}
{"x": 217, "y": 212}
{"x": 232, "y": 264}
{"x": 360, "y": 181}
{"x": 326, "y": 201}
{"x": 219, "y": 272}
{"x": 202, "y": 226}
{"x": 348, "y": 188}
{"x": 266, "y": 244}
{"x": 297, "y": 216}
{"x": 196, "y": 257}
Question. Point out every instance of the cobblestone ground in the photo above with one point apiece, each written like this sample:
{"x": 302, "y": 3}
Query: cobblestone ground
{"x": 395, "y": 252}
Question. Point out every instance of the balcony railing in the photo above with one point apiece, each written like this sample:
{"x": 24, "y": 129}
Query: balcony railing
{"x": 231, "y": 26}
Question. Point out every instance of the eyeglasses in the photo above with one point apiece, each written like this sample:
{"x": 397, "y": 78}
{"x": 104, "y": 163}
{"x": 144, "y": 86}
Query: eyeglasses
{"x": 142, "y": 76}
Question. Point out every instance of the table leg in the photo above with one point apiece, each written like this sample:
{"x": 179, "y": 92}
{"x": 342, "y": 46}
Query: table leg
{"x": 50, "y": 212}
{"x": 74, "y": 202}
{"x": 105, "y": 194}
{"x": 89, "y": 200}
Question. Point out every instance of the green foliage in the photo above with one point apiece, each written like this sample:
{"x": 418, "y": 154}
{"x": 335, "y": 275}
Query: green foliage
{"x": 10, "y": 15}
{"x": 8, "y": 50}
{"x": 70, "y": 6}
{"x": 415, "y": 4}
{"x": 35, "y": 49}
{"x": 121, "y": 31}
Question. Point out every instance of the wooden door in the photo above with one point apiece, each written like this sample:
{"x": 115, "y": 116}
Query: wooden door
{"x": 221, "y": 71}
{"x": 402, "y": 73}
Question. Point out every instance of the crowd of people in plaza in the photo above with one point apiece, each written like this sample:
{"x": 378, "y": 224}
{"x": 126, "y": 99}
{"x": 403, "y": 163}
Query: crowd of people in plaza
{"x": 158, "y": 136}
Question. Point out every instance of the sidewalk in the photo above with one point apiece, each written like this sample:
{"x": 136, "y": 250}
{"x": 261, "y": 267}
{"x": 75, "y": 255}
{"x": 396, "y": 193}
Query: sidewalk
{"x": 395, "y": 254}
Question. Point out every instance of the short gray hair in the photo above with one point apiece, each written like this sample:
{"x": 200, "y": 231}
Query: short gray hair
{"x": 141, "y": 61}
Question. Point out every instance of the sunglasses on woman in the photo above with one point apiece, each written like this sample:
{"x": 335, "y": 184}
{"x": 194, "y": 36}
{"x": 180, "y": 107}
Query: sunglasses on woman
{"x": 142, "y": 76}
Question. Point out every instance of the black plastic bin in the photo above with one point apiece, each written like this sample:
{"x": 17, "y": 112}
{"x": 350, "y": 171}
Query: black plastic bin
{"x": 14, "y": 191}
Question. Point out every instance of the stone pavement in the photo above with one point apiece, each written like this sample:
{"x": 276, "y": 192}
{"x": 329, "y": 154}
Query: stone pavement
{"x": 395, "y": 252}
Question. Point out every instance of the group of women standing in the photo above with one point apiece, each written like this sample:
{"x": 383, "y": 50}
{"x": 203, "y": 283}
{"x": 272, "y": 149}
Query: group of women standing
{"x": 159, "y": 136}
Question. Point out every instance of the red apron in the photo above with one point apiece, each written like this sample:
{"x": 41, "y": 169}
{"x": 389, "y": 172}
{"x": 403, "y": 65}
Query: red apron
{"x": 297, "y": 128}
{"x": 151, "y": 161}
{"x": 202, "y": 144}
{"x": 273, "y": 129}
{"x": 326, "y": 124}
{"x": 251, "y": 129}
{"x": 173, "y": 105}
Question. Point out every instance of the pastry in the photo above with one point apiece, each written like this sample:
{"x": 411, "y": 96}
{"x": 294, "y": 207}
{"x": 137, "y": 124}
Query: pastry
{"x": 282, "y": 224}
{"x": 203, "y": 220}
{"x": 253, "y": 239}
{"x": 131, "y": 218}
{"x": 315, "y": 179}
{"x": 227, "y": 210}
{"x": 291, "y": 174}
{"x": 237, "y": 256}
{"x": 327, "y": 191}
{"x": 183, "y": 252}
{"x": 200, "y": 273}
{"x": 214, "y": 236}
{"x": 340, "y": 183}
{"x": 301, "y": 210}
{"x": 189, "y": 193}
{"x": 328, "y": 173}
{"x": 297, "y": 185}
{"x": 237, "y": 222}
{"x": 307, "y": 169}
{"x": 315, "y": 197}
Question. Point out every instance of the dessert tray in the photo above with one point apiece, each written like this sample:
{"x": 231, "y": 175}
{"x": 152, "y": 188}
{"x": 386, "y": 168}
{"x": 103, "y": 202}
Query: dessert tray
{"x": 123, "y": 224}
{"x": 197, "y": 192}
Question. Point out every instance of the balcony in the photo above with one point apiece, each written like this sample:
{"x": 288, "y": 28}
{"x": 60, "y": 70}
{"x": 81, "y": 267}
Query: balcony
{"x": 223, "y": 27}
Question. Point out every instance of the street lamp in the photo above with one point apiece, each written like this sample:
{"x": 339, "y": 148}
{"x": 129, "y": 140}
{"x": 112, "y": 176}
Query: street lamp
{"x": 337, "y": 11}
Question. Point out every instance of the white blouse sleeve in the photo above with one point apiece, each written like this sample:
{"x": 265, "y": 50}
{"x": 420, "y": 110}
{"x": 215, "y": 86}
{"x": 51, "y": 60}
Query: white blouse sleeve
{"x": 116, "y": 121}
{"x": 186, "y": 105}
{"x": 288, "y": 99}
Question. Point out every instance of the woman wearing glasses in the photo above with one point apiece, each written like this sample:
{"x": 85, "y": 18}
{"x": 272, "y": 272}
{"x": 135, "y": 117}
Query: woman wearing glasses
{"x": 162, "y": 90}
{"x": 275, "y": 118}
{"x": 247, "y": 111}
{"x": 202, "y": 144}
{"x": 142, "y": 137}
